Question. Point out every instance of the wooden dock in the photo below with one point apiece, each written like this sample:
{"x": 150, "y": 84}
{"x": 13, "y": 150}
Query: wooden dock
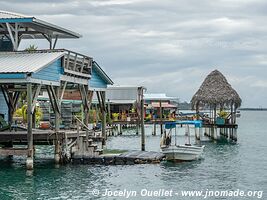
{"x": 128, "y": 158}
{"x": 70, "y": 142}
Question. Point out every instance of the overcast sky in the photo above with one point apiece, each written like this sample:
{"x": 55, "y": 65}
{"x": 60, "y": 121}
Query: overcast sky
{"x": 169, "y": 46}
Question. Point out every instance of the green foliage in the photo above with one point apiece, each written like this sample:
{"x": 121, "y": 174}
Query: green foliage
{"x": 22, "y": 112}
{"x": 223, "y": 114}
{"x": 38, "y": 115}
{"x": 18, "y": 113}
{"x": 148, "y": 117}
{"x": 31, "y": 48}
{"x": 115, "y": 116}
{"x": 108, "y": 118}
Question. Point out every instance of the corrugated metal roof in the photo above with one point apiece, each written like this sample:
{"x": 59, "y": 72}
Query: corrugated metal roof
{"x": 11, "y": 15}
{"x": 25, "y": 62}
{"x": 40, "y": 26}
{"x": 157, "y": 96}
{"x": 121, "y": 93}
{"x": 163, "y": 105}
{"x": 122, "y": 101}
{"x": 102, "y": 73}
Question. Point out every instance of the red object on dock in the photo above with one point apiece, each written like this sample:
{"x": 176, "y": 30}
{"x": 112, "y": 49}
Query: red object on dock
{"x": 44, "y": 125}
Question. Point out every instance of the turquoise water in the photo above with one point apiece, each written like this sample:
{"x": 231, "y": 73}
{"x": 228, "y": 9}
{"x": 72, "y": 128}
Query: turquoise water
{"x": 225, "y": 166}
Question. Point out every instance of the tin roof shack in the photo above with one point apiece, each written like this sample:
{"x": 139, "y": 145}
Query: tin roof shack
{"x": 52, "y": 70}
{"x": 124, "y": 102}
{"x": 160, "y": 107}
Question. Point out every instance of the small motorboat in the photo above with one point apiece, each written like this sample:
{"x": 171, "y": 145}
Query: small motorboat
{"x": 177, "y": 153}
{"x": 182, "y": 152}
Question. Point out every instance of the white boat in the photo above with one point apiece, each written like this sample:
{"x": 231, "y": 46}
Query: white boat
{"x": 176, "y": 153}
{"x": 182, "y": 152}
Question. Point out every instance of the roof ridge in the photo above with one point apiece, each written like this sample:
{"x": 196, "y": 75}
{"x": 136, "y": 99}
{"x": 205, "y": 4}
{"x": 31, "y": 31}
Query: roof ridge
{"x": 19, "y": 15}
{"x": 31, "y": 52}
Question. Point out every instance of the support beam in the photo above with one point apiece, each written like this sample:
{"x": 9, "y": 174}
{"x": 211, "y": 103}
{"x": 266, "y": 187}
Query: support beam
{"x": 57, "y": 123}
{"x": 86, "y": 108}
{"x": 35, "y": 96}
{"x": 50, "y": 98}
{"x": 11, "y": 99}
{"x": 160, "y": 113}
{"x": 104, "y": 120}
{"x": 63, "y": 91}
{"x": 12, "y": 37}
{"x": 29, "y": 161}
{"x": 55, "y": 95}
{"x": 142, "y": 124}
{"x": 55, "y": 42}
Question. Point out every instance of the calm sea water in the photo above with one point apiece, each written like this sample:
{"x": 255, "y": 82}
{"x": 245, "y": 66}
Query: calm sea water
{"x": 225, "y": 166}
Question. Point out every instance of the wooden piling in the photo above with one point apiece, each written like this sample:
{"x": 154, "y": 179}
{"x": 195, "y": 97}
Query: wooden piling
{"x": 120, "y": 129}
{"x": 142, "y": 124}
{"x": 154, "y": 132}
{"x": 29, "y": 161}
{"x": 57, "y": 124}
{"x": 104, "y": 118}
{"x": 160, "y": 111}
{"x": 197, "y": 133}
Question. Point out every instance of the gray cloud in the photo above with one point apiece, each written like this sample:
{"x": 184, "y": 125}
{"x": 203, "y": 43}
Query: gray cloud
{"x": 168, "y": 46}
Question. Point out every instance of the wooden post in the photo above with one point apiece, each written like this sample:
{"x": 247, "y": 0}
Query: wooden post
{"x": 232, "y": 117}
{"x": 10, "y": 116}
{"x": 142, "y": 124}
{"x": 197, "y": 133}
{"x": 86, "y": 119}
{"x": 34, "y": 118}
{"x": 138, "y": 111}
{"x": 29, "y": 161}
{"x": 109, "y": 113}
{"x": 137, "y": 126}
{"x": 215, "y": 133}
{"x": 160, "y": 113}
{"x": 104, "y": 120}
{"x": 120, "y": 129}
{"x": 215, "y": 109}
{"x": 155, "y": 129}
{"x": 78, "y": 135}
{"x": 200, "y": 133}
{"x": 57, "y": 124}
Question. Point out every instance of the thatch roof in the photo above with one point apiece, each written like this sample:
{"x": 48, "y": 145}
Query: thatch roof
{"x": 215, "y": 90}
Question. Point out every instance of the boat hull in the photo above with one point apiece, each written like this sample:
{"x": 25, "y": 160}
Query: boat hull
{"x": 182, "y": 153}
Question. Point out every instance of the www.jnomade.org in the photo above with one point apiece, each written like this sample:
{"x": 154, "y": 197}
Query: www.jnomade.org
{"x": 171, "y": 193}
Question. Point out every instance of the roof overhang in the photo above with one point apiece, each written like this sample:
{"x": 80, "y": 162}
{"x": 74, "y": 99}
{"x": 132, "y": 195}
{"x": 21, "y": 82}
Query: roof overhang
{"x": 102, "y": 73}
{"x": 31, "y": 27}
{"x": 158, "y": 97}
{"x": 163, "y": 105}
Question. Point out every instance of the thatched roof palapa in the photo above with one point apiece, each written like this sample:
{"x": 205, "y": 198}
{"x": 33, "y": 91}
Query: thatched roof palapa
{"x": 216, "y": 91}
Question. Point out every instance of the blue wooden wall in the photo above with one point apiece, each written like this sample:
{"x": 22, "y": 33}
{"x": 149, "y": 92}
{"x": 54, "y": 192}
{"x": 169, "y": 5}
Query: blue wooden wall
{"x": 3, "y": 106}
{"x": 50, "y": 73}
{"x": 96, "y": 80}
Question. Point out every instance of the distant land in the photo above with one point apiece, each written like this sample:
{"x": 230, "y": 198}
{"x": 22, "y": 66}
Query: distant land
{"x": 254, "y": 109}
{"x": 187, "y": 106}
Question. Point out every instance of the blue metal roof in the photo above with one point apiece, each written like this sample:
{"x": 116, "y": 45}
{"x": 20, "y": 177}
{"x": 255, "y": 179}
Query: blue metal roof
{"x": 35, "y": 27}
{"x": 26, "y": 62}
{"x": 102, "y": 73}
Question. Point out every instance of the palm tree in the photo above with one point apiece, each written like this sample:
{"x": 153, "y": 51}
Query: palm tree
{"x": 31, "y": 48}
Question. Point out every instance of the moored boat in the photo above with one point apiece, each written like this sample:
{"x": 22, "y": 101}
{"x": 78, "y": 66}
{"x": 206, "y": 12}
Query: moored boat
{"x": 182, "y": 152}
{"x": 176, "y": 153}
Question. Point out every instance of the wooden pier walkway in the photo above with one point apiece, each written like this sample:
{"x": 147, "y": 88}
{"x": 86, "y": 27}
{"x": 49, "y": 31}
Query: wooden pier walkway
{"x": 128, "y": 158}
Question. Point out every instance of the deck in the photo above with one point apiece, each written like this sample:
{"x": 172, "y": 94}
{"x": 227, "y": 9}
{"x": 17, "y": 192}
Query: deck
{"x": 42, "y": 137}
{"x": 128, "y": 158}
